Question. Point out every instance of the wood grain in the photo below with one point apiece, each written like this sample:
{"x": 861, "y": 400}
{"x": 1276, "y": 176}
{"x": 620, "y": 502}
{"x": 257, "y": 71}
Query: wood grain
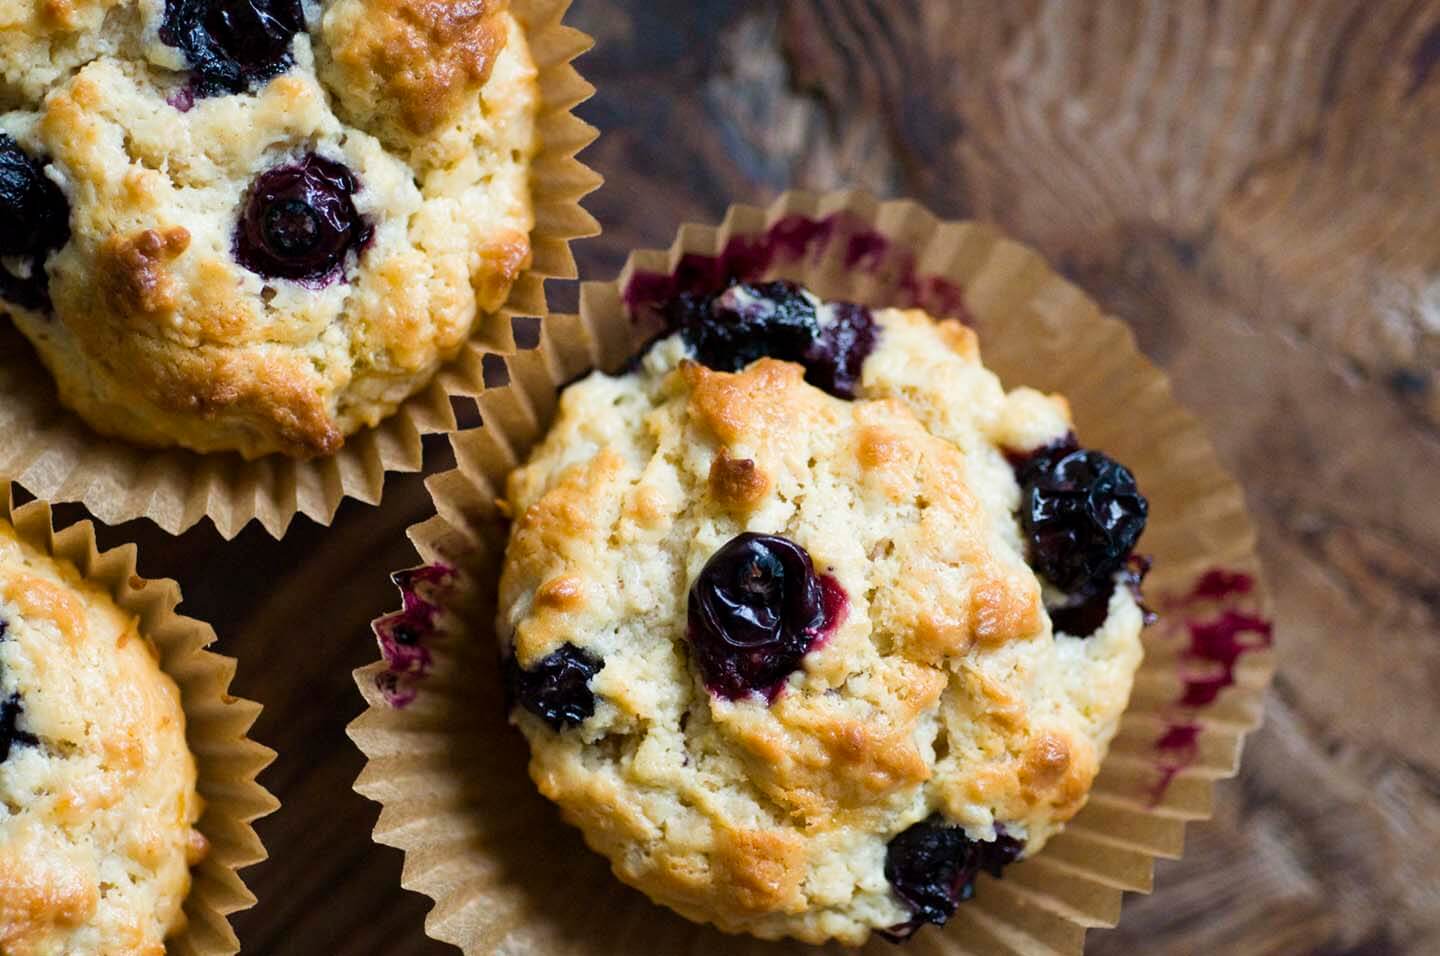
{"x": 1254, "y": 186}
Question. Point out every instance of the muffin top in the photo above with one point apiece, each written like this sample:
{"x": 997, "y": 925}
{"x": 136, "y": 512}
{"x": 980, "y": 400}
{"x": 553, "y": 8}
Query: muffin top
{"x": 97, "y": 785}
{"x": 769, "y": 625}
{"x": 258, "y": 226}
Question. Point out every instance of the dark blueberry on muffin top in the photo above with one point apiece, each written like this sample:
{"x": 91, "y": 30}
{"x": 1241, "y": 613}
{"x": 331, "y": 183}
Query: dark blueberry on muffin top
{"x": 755, "y": 610}
{"x": 932, "y": 867}
{"x": 34, "y": 221}
{"x": 1082, "y": 514}
{"x": 833, "y": 361}
{"x": 749, "y": 321}
{"x": 231, "y": 44}
{"x": 300, "y": 221}
{"x": 10, "y": 734}
{"x": 557, "y": 689}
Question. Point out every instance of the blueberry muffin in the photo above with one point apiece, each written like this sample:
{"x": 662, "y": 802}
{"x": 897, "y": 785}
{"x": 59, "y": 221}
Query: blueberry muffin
{"x": 808, "y": 621}
{"x": 97, "y": 785}
{"x": 258, "y": 225}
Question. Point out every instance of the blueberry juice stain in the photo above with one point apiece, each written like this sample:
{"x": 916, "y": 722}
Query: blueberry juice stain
{"x": 1216, "y": 644}
{"x": 792, "y": 240}
{"x": 402, "y": 635}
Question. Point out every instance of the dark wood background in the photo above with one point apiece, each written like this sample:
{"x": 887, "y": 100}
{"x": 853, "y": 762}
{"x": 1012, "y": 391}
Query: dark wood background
{"x": 1254, "y": 186}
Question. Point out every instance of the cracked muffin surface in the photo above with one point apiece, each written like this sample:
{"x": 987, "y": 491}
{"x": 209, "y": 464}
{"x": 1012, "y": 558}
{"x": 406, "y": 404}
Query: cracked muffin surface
{"x": 98, "y": 801}
{"x": 260, "y": 233}
{"x": 770, "y": 631}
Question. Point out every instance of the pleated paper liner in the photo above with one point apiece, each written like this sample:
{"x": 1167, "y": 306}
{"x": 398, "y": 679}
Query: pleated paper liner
{"x": 509, "y": 877}
{"x": 56, "y": 456}
{"x": 216, "y": 723}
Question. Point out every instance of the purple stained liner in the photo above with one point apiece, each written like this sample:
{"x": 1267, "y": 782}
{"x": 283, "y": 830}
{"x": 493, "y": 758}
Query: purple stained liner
{"x": 1216, "y": 645}
{"x": 402, "y": 635}
{"x": 791, "y": 240}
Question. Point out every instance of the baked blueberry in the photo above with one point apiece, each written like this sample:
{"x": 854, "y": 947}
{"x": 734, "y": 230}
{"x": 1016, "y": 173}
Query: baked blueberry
{"x": 34, "y": 222}
{"x": 1084, "y": 612}
{"x": 833, "y": 361}
{"x": 299, "y": 222}
{"x": 755, "y": 610}
{"x": 10, "y": 734}
{"x": 557, "y": 689}
{"x": 932, "y": 867}
{"x": 232, "y": 44}
{"x": 749, "y": 321}
{"x": 1082, "y": 514}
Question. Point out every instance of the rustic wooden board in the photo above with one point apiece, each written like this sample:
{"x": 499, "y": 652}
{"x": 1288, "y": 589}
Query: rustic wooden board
{"x": 1254, "y": 186}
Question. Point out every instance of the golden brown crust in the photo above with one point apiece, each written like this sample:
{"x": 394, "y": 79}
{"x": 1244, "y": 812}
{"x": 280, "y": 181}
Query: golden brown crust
{"x": 503, "y": 256}
{"x": 737, "y": 483}
{"x": 960, "y": 338}
{"x": 423, "y": 59}
{"x": 1057, "y": 770}
{"x": 751, "y": 405}
{"x": 36, "y": 900}
{"x": 60, "y": 14}
{"x": 831, "y": 769}
{"x": 877, "y": 447}
{"x": 46, "y": 601}
{"x": 276, "y": 395}
{"x": 759, "y": 870}
{"x": 553, "y": 529}
{"x": 132, "y": 274}
{"x": 563, "y": 593}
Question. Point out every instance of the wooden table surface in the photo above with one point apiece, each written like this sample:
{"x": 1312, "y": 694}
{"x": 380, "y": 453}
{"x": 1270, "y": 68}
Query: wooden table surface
{"x": 1254, "y": 186}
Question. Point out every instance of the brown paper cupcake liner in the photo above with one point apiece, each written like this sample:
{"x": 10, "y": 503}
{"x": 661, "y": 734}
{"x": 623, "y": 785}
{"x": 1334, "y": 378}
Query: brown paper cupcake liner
{"x": 227, "y": 761}
{"x": 507, "y": 876}
{"x": 54, "y": 455}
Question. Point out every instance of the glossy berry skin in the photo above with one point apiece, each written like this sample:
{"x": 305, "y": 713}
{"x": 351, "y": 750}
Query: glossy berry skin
{"x": 749, "y": 321}
{"x": 1081, "y": 513}
{"x": 34, "y": 222}
{"x": 833, "y": 361}
{"x": 756, "y": 609}
{"x": 232, "y": 44}
{"x": 932, "y": 867}
{"x": 10, "y": 736}
{"x": 300, "y": 221}
{"x": 1084, "y": 612}
{"x": 557, "y": 689}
